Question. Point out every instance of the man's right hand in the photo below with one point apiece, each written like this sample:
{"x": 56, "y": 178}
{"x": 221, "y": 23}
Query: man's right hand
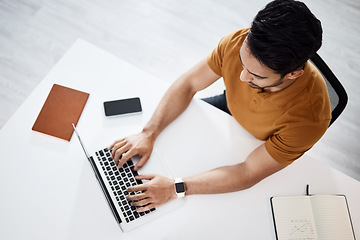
{"x": 139, "y": 144}
{"x": 174, "y": 102}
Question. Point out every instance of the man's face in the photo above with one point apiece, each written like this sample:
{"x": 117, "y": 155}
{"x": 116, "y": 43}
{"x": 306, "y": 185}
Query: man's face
{"x": 257, "y": 75}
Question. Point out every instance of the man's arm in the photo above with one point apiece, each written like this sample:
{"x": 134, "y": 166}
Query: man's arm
{"x": 173, "y": 103}
{"x": 257, "y": 166}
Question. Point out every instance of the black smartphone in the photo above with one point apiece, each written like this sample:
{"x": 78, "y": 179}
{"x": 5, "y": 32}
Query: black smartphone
{"x": 122, "y": 106}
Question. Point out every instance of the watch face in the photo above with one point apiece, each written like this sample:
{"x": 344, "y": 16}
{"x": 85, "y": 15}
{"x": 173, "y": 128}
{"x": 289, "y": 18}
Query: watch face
{"x": 180, "y": 188}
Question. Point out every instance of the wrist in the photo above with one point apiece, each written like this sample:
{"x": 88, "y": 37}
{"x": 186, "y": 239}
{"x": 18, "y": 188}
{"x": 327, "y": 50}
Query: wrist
{"x": 150, "y": 133}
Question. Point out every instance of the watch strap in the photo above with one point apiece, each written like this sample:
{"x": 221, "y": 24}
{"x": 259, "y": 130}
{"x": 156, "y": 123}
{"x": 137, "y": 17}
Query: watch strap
{"x": 179, "y": 187}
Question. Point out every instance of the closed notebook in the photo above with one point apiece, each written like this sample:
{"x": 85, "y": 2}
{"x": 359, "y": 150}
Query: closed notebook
{"x": 62, "y": 107}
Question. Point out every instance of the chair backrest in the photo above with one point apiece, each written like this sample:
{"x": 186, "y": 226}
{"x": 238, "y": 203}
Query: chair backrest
{"x": 337, "y": 93}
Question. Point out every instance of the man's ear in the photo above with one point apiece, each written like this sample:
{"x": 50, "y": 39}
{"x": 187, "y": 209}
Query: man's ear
{"x": 295, "y": 74}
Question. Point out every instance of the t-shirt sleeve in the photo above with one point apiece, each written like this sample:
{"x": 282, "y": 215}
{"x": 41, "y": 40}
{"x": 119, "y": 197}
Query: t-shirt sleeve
{"x": 292, "y": 143}
{"x": 215, "y": 59}
{"x": 224, "y": 49}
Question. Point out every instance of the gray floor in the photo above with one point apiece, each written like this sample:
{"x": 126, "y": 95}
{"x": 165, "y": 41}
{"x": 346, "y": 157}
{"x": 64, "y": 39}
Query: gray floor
{"x": 165, "y": 38}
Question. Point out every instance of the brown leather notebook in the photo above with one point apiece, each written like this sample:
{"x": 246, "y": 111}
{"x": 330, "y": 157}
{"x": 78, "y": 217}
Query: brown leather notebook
{"x": 62, "y": 107}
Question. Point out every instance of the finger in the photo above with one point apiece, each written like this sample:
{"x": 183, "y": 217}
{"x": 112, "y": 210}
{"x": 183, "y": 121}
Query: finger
{"x": 137, "y": 188}
{"x": 125, "y": 156}
{"x": 146, "y": 208}
{"x": 114, "y": 143}
{"x": 141, "y": 162}
{"x": 129, "y": 153}
{"x": 119, "y": 153}
{"x": 141, "y": 203}
{"x": 111, "y": 146}
{"x": 145, "y": 176}
{"x": 136, "y": 197}
{"x": 120, "y": 163}
{"x": 118, "y": 147}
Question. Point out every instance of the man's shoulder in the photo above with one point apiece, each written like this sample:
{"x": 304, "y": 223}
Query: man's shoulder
{"x": 317, "y": 92}
{"x": 240, "y": 33}
{"x": 235, "y": 38}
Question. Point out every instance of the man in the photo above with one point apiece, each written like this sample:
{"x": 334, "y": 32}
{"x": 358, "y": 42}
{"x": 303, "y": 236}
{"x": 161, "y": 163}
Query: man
{"x": 272, "y": 90}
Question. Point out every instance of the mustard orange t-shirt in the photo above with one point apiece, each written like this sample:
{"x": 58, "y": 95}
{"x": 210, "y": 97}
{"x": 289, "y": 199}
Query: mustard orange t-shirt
{"x": 290, "y": 121}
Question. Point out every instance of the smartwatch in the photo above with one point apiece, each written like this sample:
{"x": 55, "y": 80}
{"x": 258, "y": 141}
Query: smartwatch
{"x": 179, "y": 187}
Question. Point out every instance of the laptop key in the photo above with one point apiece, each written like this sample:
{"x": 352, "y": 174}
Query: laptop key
{"x": 133, "y": 171}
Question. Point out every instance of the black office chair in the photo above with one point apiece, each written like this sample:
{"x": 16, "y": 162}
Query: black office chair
{"x": 337, "y": 93}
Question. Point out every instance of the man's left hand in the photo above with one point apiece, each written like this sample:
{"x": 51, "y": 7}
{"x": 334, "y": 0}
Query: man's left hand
{"x": 158, "y": 190}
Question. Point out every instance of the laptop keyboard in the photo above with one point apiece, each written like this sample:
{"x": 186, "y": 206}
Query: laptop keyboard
{"x": 120, "y": 180}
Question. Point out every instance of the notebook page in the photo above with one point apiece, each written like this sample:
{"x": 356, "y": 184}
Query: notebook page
{"x": 332, "y": 217}
{"x": 294, "y": 218}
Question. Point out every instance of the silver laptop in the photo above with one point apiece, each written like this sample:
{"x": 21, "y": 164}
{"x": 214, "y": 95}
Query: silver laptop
{"x": 114, "y": 182}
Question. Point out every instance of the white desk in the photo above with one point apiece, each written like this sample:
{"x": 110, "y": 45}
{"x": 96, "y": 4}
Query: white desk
{"x": 56, "y": 195}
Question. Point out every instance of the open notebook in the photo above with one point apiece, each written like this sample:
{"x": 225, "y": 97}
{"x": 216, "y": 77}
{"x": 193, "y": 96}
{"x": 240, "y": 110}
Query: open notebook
{"x": 312, "y": 217}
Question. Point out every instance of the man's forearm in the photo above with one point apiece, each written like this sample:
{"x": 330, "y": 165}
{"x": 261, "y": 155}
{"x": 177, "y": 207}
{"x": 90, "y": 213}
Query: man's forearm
{"x": 220, "y": 180}
{"x": 258, "y": 165}
{"x": 173, "y": 103}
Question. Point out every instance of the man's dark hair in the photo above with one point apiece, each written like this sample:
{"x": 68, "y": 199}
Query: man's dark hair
{"x": 284, "y": 35}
